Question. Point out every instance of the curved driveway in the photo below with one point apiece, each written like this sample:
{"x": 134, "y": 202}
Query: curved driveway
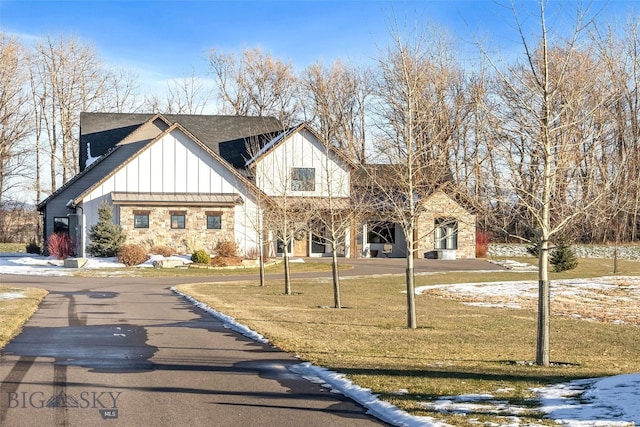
{"x": 129, "y": 352}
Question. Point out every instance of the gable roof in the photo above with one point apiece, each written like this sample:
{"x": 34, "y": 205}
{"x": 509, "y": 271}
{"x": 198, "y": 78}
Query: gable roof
{"x": 283, "y": 136}
{"x": 224, "y": 135}
{"x": 98, "y": 170}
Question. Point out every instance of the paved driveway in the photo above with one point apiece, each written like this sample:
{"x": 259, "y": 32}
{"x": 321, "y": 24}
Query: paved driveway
{"x": 129, "y": 352}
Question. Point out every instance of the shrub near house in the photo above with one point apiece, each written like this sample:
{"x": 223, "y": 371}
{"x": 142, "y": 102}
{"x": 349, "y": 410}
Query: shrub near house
{"x": 106, "y": 237}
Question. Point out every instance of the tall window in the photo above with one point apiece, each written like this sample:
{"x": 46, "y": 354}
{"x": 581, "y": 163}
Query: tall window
{"x": 214, "y": 220}
{"x": 140, "y": 219}
{"x": 446, "y": 233}
{"x": 61, "y": 224}
{"x": 303, "y": 179}
{"x": 178, "y": 219}
{"x": 382, "y": 232}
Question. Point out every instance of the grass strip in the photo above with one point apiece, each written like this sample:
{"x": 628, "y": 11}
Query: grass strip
{"x": 15, "y": 312}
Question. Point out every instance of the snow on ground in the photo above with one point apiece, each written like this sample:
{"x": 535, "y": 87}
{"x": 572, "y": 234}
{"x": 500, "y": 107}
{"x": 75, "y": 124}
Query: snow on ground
{"x": 37, "y": 265}
{"x": 607, "y": 299}
{"x": 11, "y": 295}
{"x": 598, "y": 402}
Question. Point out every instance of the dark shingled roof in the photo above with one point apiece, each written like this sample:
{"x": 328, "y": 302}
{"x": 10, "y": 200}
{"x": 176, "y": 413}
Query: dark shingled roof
{"x": 224, "y": 135}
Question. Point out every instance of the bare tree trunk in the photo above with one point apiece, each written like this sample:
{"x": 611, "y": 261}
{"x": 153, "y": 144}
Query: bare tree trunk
{"x": 336, "y": 276}
{"x": 287, "y": 270}
{"x": 412, "y": 321}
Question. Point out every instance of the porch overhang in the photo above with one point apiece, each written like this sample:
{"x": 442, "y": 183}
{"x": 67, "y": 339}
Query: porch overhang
{"x": 176, "y": 199}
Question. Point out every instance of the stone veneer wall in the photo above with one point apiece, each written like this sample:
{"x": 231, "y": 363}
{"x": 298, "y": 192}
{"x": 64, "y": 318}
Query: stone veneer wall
{"x": 441, "y": 205}
{"x": 194, "y": 236}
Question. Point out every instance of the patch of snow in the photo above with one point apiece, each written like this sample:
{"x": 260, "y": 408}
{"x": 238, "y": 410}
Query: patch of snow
{"x": 186, "y": 259}
{"x": 382, "y": 410}
{"x": 609, "y": 401}
{"x": 11, "y": 295}
{"x": 228, "y": 321}
{"x": 90, "y": 158}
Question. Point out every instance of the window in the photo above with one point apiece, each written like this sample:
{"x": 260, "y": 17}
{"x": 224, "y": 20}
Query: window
{"x": 178, "y": 219}
{"x": 446, "y": 233}
{"x": 61, "y": 224}
{"x": 382, "y": 232}
{"x": 140, "y": 219}
{"x": 214, "y": 220}
{"x": 303, "y": 179}
{"x": 280, "y": 247}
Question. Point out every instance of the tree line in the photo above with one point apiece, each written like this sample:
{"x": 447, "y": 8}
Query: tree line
{"x": 548, "y": 136}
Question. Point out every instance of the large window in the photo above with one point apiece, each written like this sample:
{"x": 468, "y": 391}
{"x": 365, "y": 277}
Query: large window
{"x": 214, "y": 220}
{"x": 140, "y": 219}
{"x": 382, "y": 232}
{"x": 303, "y": 179}
{"x": 61, "y": 224}
{"x": 446, "y": 233}
{"x": 178, "y": 220}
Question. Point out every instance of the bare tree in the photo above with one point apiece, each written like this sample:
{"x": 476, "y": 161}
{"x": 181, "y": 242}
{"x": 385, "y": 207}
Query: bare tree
{"x": 336, "y": 211}
{"x": 286, "y": 214}
{"x": 257, "y": 84}
{"x": 549, "y": 133}
{"x": 420, "y": 107}
{"x": 15, "y": 126}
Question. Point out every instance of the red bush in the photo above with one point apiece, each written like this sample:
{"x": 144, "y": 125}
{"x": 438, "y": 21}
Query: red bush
{"x": 482, "y": 243}
{"x": 61, "y": 246}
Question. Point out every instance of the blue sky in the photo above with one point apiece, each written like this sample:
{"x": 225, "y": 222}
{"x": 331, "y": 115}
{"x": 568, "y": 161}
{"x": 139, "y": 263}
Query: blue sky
{"x": 169, "y": 38}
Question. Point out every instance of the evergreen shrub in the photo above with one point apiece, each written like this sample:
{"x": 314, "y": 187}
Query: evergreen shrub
{"x": 562, "y": 257}
{"x": 106, "y": 237}
{"x": 201, "y": 257}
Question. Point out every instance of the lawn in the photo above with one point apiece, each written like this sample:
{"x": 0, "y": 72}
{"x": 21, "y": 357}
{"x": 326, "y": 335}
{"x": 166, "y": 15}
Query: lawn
{"x": 15, "y": 312}
{"x": 457, "y": 349}
{"x": 12, "y": 247}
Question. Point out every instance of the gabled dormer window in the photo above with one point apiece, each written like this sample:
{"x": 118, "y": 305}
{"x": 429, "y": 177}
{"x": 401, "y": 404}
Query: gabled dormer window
{"x": 303, "y": 179}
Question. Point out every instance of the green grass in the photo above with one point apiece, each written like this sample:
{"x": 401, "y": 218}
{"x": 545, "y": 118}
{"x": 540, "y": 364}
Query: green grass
{"x": 457, "y": 349}
{"x": 15, "y": 312}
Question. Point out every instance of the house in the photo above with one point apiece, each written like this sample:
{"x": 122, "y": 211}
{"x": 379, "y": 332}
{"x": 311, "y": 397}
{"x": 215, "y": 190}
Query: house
{"x": 190, "y": 181}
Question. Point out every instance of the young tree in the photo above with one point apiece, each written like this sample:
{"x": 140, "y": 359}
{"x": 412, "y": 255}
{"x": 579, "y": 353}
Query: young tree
{"x": 336, "y": 211}
{"x": 548, "y": 129}
{"x": 420, "y": 106}
{"x": 106, "y": 237}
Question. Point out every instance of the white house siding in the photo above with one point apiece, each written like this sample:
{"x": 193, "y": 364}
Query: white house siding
{"x": 175, "y": 164}
{"x": 302, "y": 150}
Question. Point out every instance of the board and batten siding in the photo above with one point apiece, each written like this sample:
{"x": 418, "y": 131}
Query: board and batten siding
{"x": 176, "y": 164}
{"x": 302, "y": 150}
